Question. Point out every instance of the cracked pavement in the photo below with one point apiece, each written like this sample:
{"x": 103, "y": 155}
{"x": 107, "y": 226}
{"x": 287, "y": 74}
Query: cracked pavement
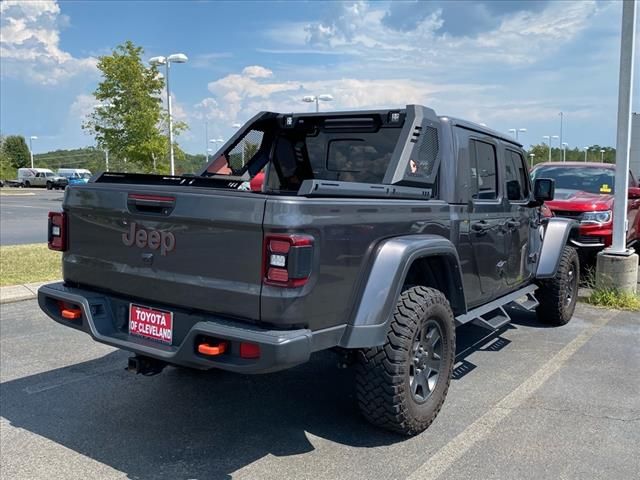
{"x": 528, "y": 402}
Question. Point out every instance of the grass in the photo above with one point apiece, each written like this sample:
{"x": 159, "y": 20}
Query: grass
{"x": 611, "y": 298}
{"x": 608, "y": 297}
{"x": 28, "y": 263}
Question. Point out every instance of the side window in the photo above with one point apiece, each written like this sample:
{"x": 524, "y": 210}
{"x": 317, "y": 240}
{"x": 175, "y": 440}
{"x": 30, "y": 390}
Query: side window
{"x": 516, "y": 176}
{"x": 484, "y": 181}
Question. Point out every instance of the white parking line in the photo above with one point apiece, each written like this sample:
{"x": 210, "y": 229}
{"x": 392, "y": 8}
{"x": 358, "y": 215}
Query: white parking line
{"x": 44, "y": 207}
{"x": 449, "y": 454}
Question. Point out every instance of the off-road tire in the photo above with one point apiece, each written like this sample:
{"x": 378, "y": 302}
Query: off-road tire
{"x": 558, "y": 295}
{"x": 49, "y": 186}
{"x": 27, "y": 185}
{"x": 383, "y": 374}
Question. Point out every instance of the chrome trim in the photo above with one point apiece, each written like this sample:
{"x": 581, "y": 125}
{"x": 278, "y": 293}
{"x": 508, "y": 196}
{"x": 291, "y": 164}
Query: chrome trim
{"x": 579, "y": 244}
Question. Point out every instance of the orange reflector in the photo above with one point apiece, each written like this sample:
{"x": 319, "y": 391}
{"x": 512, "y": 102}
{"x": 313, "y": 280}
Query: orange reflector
{"x": 212, "y": 350}
{"x": 71, "y": 313}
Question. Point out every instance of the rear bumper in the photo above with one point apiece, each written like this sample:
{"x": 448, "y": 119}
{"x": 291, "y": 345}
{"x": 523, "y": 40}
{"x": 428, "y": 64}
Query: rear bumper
{"x": 102, "y": 318}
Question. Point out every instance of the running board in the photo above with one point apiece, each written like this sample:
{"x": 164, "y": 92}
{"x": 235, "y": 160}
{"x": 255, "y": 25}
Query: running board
{"x": 493, "y": 315}
{"x": 494, "y": 319}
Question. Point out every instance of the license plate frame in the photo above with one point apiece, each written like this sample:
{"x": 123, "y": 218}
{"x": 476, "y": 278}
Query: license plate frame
{"x": 151, "y": 323}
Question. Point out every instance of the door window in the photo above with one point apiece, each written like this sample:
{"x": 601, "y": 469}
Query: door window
{"x": 484, "y": 180}
{"x": 516, "y": 176}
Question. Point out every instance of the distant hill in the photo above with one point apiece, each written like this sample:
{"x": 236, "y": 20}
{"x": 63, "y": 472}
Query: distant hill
{"x": 93, "y": 159}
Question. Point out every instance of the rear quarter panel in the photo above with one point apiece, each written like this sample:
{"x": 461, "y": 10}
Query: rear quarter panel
{"x": 346, "y": 232}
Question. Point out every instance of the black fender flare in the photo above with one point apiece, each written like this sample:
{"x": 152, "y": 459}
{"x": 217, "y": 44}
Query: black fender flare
{"x": 391, "y": 262}
{"x": 556, "y": 236}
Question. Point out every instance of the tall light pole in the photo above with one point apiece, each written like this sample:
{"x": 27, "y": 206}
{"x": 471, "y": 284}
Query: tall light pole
{"x": 516, "y": 131}
{"x": 31, "y": 139}
{"x": 167, "y": 61}
{"x": 586, "y": 149}
{"x": 242, "y": 147}
{"x": 564, "y": 151}
{"x": 561, "y": 122}
{"x": 549, "y": 138}
{"x": 602, "y": 155}
{"x": 617, "y": 266}
{"x": 206, "y": 141}
{"x": 106, "y": 150}
{"x": 216, "y": 140}
{"x": 317, "y": 98}
{"x": 532, "y": 156}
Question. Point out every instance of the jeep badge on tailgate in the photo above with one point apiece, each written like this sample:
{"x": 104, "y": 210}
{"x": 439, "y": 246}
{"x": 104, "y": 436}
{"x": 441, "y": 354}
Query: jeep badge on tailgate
{"x": 153, "y": 239}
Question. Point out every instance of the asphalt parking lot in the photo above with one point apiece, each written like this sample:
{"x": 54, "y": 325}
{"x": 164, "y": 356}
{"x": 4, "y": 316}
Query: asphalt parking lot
{"x": 528, "y": 402}
{"x": 23, "y": 214}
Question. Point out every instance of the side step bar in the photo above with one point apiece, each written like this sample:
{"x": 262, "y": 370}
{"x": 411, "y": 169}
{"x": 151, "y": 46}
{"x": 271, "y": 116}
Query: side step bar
{"x": 493, "y": 315}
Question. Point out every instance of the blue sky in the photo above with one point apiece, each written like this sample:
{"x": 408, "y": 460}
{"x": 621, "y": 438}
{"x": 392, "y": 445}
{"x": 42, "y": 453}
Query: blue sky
{"x": 503, "y": 63}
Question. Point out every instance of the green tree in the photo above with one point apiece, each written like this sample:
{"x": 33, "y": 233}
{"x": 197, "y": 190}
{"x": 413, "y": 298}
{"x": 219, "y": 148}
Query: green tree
{"x": 594, "y": 154}
{"x": 7, "y": 170}
{"x": 130, "y": 121}
{"x": 17, "y": 151}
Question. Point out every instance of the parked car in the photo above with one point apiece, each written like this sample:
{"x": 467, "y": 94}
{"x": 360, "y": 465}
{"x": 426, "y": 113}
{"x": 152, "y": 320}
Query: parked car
{"x": 374, "y": 234}
{"x": 75, "y": 176}
{"x": 584, "y": 192}
{"x": 41, "y": 177}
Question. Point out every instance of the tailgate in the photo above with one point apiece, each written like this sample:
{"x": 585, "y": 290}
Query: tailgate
{"x": 195, "y": 248}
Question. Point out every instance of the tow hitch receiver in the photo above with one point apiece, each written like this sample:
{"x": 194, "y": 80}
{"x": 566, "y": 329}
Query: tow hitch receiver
{"x": 145, "y": 365}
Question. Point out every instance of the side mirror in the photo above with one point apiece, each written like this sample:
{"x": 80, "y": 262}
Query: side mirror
{"x": 634, "y": 193}
{"x": 544, "y": 189}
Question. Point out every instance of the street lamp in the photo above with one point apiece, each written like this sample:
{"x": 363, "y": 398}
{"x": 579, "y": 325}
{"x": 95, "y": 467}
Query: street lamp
{"x": 564, "y": 151}
{"x": 31, "y": 138}
{"x": 532, "y": 156}
{"x": 167, "y": 61}
{"x": 602, "y": 155}
{"x": 586, "y": 149}
{"x": 106, "y": 150}
{"x": 516, "y": 131}
{"x": 549, "y": 138}
{"x": 317, "y": 99}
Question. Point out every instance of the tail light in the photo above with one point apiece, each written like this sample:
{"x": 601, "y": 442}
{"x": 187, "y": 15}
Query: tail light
{"x": 57, "y": 231}
{"x": 287, "y": 260}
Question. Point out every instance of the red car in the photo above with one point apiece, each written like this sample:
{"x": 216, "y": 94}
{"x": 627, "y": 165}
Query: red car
{"x": 584, "y": 192}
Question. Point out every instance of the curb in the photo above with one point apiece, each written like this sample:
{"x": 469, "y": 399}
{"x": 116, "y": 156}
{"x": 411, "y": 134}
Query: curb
{"x": 19, "y": 293}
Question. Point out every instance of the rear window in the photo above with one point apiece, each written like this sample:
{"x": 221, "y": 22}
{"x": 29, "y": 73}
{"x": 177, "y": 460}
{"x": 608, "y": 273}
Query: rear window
{"x": 484, "y": 180}
{"x": 233, "y": 161}
{"x": 361, "y": 157}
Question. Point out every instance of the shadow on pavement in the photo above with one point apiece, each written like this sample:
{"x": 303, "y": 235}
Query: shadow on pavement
{"x": 189, "y": 424}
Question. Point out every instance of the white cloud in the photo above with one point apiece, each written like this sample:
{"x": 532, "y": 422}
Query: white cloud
{"x": 236, "y": 97}
{"x": 30, "y": 43}
{"x": 207, "y": 60}
{"x": 82, "y": 106}
{"x": 522, "y": 38}
{"x": 256, "y": 71}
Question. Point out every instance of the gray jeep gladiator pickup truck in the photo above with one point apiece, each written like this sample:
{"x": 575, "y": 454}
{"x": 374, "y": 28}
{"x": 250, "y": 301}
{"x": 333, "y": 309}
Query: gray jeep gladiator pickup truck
{"x": 372, "y": 233}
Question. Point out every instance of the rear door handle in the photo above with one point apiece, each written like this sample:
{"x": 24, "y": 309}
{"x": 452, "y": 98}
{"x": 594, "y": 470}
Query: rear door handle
{"x": 512, "y": 224}
{"x": 480, "y": 227}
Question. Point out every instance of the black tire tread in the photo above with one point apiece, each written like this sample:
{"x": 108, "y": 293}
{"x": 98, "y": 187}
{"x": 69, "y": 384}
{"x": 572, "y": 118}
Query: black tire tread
{"x": 552, "y": 292}
{"x": 380, "y": 385}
